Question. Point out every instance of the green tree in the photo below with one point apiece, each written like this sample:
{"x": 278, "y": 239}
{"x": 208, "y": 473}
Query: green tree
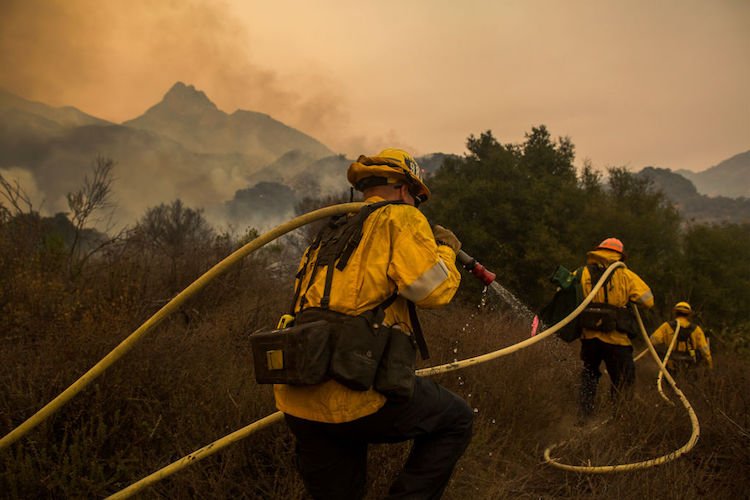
{"x": 511, "y": 204}
{"x": 630, "y": 208}
{"x": 522, "y": 209}
{"x": 716, "y": 273}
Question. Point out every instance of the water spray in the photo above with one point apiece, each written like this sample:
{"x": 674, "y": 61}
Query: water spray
{"x": 488, "y": 278}
{"x": 469, "y": 263}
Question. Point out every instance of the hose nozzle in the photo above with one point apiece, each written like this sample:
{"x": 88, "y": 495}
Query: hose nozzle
{"x": 470, "y": 264}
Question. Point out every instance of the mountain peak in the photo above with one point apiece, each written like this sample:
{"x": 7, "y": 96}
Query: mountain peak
{"x": 186, "y": 99}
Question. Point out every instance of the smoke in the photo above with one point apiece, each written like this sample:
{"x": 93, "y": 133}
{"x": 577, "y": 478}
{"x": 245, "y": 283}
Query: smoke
{"x": 115, "y": 59}
{"x": 24, "y": 180}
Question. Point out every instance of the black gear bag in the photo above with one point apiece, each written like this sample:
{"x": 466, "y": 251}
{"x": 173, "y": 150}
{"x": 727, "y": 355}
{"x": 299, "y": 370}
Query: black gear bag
{"x": 357, "y": 351}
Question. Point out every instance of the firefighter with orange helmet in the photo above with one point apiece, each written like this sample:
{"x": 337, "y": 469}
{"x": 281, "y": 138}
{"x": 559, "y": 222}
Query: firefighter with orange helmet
{"x": 607, "y": 324}
{"x": 399, "y": 260}
{"x": 691, "y": 348}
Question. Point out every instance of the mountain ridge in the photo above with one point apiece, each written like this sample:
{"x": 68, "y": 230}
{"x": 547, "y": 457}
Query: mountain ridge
{"x": 185, "y": 147}
{"x": 64, "y": 115}
{"x": 200, "y": 154}
{"x": 730, "y": 177}
{"x": 692, "y": 205}
{"x": 187, "y": 115}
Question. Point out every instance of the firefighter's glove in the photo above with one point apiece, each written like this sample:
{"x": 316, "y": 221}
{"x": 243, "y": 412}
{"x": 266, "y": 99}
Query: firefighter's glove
{"x": 446, "y": 237}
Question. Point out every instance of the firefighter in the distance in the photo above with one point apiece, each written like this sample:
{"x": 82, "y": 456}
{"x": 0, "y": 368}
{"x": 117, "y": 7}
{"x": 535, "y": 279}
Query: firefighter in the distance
{"x": 399, "y": 253}
{"x": 691, "y": 348}
{"x": 608, "y": 324}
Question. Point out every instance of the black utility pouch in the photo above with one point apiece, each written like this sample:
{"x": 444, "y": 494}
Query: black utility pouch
{"x": 299, "y": 355}
{"x": 395, "y": 376}
{"x": 357, "y": 350}
{"x": 627, "y": 323}
{"x": 599, "y": 317}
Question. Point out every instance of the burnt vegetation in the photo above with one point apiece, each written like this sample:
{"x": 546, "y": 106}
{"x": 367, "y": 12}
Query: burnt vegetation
{"x": 69, "y": 294}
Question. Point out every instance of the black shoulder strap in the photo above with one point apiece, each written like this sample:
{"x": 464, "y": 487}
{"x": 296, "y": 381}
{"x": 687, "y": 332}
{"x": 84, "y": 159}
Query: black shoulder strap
{"x": 417, "y": 327}
{"x": 346, "y": 245}
{"x": 356, "y": 237}
{"x": 337, "y": 241}
{"x": 301, "y": 273}
{"x": 596, "y": 271}
{"x": 685, "y": 332}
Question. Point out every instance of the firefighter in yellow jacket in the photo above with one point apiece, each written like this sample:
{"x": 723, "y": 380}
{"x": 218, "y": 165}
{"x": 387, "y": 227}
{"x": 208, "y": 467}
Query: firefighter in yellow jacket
{"x": 399, "y": 255}
{"x": 608, "y": 325}
{"x": 691, "y": 347}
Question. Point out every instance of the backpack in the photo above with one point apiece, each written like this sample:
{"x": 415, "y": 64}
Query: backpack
{"x": 688, "y": 352}
{"x": 606, "y": 317}
{"x": 600, "y": 316}
{"x": 337, "y": 241}
{"x": 320, "y": 343}
{"x": 568, "y": 296}
{"x": 685, "y": 333}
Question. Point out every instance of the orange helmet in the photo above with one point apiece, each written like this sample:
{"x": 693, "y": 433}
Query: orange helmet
{"x": 390, "y": 166}
{"x": 612, "y": 244}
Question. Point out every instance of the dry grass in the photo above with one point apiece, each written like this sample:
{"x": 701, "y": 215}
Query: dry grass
{"x": 190, "y": 382}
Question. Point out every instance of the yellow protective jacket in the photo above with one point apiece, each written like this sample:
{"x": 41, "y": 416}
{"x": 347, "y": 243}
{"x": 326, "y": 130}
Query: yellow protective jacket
{"x": 623, "y": 287}
{"x": 696, "y": 342}
{"x": 397, "y": 252}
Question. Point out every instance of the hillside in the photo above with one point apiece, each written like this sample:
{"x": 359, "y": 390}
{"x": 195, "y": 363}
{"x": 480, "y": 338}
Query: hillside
{"x": 692, "y": 205}
{"x": 188, "y": 380}
{"x": 187, "y": 116}
{"x": 231, "y": 165}
{"x": 729, "y": 178}
{"x": 182, "y": 147}
{"x": 66, "y": 116}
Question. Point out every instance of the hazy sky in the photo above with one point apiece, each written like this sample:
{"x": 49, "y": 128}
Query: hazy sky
{"x": 633, "y": 83}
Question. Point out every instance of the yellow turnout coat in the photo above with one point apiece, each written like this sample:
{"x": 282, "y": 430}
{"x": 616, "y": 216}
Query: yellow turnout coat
{"x": 397, "y": 252}
{"x": 623, "y": 287}
{"x": 696, "y": 342}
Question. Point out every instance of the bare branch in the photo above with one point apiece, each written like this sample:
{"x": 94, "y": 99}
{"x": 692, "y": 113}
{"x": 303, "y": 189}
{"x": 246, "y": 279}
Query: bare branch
{"x": 94, "y": 195}
{"x": 18, "y": 199}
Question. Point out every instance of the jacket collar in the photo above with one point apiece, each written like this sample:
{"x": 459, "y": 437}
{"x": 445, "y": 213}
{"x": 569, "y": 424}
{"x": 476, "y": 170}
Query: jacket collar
{"x": 602, "y": 257}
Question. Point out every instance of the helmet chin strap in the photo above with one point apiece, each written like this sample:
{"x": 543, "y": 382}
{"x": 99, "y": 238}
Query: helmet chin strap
{"x": 417, "y": 199}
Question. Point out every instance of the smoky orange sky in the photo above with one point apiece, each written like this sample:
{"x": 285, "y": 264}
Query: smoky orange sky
{"x": 633, "y": 83}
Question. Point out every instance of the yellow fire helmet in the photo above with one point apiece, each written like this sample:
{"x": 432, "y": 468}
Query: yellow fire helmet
{"x": 390, "y": 166}
{"x": 683, "y": 307}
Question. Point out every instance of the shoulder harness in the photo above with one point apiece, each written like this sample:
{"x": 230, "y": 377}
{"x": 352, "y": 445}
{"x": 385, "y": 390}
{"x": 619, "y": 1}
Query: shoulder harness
{"x": 336, "y": 242}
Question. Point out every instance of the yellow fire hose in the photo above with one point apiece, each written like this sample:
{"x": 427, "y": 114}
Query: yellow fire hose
{"x": 217, "y": 445}
{"x": 265, "y": 421}
{"x": 456, "y": 365}
{"x": 604, "y": 469}
{"x": 640, "y": 354}
{"x": 665, "y": 360}
{"x": 197, "y": 455}
{"x": 172, "y": 306}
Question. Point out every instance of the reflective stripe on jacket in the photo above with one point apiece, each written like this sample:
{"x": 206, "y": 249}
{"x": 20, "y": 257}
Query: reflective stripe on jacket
{"x": 397, "y": 252}
{"x": 623, "y": 287}
{"x": 663, "y": 335}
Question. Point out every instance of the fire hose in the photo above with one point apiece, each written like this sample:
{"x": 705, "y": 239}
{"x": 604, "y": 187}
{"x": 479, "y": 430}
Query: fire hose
{"x": 173, "y": 305}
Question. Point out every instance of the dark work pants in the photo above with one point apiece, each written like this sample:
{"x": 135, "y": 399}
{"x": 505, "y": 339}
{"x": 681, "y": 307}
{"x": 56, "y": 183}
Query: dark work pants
{"x": 332, "y": 458}
{"x": 619, "y": 362}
